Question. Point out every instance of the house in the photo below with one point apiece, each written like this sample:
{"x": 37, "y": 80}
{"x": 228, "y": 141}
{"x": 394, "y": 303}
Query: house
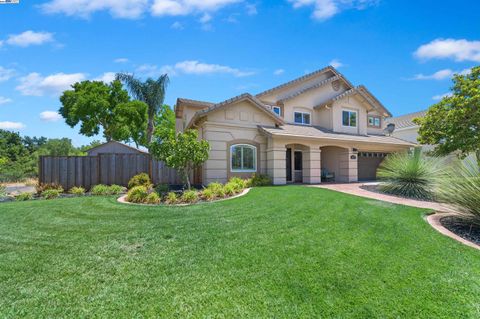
{"x": 113, "y": 147}
{"x": 318, "y": 123}
{"x": 406, "y": 130}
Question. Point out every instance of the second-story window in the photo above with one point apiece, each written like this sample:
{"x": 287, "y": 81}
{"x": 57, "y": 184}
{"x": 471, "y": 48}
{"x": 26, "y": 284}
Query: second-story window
{"x": 349, "y": 118}
{"x": 277, "y": 110}
{"x": 374, "y": 121}
{"x": 302, "y": 118}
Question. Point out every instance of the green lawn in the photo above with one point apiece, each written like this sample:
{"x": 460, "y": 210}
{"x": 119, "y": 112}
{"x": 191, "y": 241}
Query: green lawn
{"x": 279, "y": 252}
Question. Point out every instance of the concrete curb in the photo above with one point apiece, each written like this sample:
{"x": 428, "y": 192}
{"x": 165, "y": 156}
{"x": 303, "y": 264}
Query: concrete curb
{"x": 434, "y": 221}
{"x": 123, "y": 200}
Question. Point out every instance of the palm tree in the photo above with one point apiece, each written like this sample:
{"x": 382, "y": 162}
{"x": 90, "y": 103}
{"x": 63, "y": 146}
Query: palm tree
{"x": 151, "y": 92}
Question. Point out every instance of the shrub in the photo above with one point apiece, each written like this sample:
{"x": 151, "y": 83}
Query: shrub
{"x": 116, "y": 189}
{"x": 78, "y": 191}
{"x": 461, "y": 188}
{"x": 40, "y": 188}
{"x": 229, "y": 189}
{"x": 152, "y": 198}
{"x": 217, "y": 189}
{"x": 137, "y": 194}
{"x": 410, "y": 174}
{"x": 51, "y": 193}
{"x": 260, "y": 180}
{"x": 99, "y": 190}
{"x": 162, "y": 189}
{"x": 23, "y": 197}
{"x": 189, "y": 196}
{"x": 171, "y": 198}
{"x": 208, "y": 194}
{"x": 3, "y": 191}
{"x": 238, "y": 183}
{"x": 141, "y": 179}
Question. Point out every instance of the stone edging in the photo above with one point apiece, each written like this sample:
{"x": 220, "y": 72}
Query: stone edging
{"x": 123, "y": 200}
{"x": 434, "y": 221}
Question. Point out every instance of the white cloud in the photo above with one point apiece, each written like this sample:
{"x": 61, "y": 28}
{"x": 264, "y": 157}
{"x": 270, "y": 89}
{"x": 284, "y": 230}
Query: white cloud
{"x": 128, "y": 9}
{"x": 458, "y": 50}
{"x": 205, "y": 18}
{"x": 35, "y": 84}
{"x": 326, "y": 9}
{"x": 5, "y": 100}
{"x": 11, "y": 125}
{"x": 177, "y": 26}
{"x": 278, "y": 72}
{"x": 106, "y": 77}
{"x": 336, "y": 63}
{"x": 6, "y": 74}
{"x": 121, "y": 60}
{"x": 185, "y": 7}
{"x": 28, "y": 38}
{"x": 440, "y": 75}
{"x": 50, "y": 116}
{"x": 441, "y": 96}
{"x": 190, "y": 67}
{"x": 251, "y": 9}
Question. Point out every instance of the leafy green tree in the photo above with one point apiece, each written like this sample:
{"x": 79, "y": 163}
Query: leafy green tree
{"x": 96, "y": 105}
{"x": 18, "y": 161}
{"x": 59, "y": 147}
{"x": 165, "y": 122}
{"x": 453, "y": 124}
{"x": 151, "y": 91}
{"x": 183, "y": 151}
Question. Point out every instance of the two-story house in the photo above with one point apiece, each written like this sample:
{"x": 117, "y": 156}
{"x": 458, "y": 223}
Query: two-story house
{"x": 318, "y": 123}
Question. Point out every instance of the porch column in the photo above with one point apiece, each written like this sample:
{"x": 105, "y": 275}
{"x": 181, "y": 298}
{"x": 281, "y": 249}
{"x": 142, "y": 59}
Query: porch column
{"x": 277, "y": 165}
{"x": 312, "y": 166}
{"x": 349, "y": 166}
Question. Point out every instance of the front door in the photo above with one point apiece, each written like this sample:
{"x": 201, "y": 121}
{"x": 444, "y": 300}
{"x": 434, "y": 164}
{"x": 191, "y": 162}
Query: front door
{"x": 289, "y": 164}
{"x": 297, "y": 167}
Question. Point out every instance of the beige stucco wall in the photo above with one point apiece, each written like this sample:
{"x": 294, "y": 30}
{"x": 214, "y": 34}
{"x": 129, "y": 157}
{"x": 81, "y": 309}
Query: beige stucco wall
{"x": 409, "y": 134}
{"x": 349, "y": 103}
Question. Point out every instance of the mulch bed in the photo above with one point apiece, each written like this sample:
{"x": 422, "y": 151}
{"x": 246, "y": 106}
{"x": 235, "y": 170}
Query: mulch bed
{"x": 462, "y": 227}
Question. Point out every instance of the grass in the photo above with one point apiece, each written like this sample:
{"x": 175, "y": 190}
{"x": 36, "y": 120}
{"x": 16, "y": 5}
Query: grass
{"x": 283, "y": 252}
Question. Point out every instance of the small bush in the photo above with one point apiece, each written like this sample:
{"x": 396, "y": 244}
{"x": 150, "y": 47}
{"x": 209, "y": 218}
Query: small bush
{"x": 190, "y": 196}
{"x": 3, "y": 191}
{"x": 229, "y": 189}
{"x": 77, "y": 191}
{"x": 208, "y": 194}
{"x": 162, "y": 189}
{"x": 260, "y": 180}
{"x": 51, "y": 193}
{"x": 116, "y": 189}
{"x": 23, "y": 197}
{"x": 171, "y": 198}
{"x": 140, "y": 180}
{"x": 217, "y": 189}
{"x": 152, "y": 198}
{"x": 411, "y": 175}
{"x": 137, "y": 194}
{"x": 47, "y": 186}
{"x": 238, "y": 183}
{"x": 99, "y": 190}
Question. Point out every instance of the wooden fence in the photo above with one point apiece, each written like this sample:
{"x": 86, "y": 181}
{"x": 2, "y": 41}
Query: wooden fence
{"x": 87, "y": 171}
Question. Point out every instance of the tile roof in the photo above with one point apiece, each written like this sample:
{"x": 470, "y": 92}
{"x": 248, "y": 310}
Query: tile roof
{"x": 406, "y": 120}
{"x": 308, "y": 88}
{"x": 290, "y": 130}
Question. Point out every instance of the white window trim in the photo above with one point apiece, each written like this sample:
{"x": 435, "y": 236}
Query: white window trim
{"x": 300, "y": 112}
{"x": 279, "y": 110}
{"x": 350, "y": 111}
{"x": 254, "y": 159}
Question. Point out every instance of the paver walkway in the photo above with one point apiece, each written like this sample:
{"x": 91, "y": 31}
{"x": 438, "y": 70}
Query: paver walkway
{"x": 355, "y": 189}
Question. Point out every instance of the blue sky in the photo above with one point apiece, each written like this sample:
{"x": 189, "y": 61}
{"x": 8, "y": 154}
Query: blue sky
{"x": 403, "y": 51}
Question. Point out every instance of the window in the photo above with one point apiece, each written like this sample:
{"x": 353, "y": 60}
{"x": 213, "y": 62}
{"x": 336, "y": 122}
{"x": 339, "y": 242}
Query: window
{"x": 374, "y": 121}
{"x": 349, "y": 118}
{"x": 277, "y": 110}
{"x": 243, "y": 158}
{"x": 302, "y": 118}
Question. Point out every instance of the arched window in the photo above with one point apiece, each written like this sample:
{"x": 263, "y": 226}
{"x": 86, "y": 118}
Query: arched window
{"x": 243, "y": 158}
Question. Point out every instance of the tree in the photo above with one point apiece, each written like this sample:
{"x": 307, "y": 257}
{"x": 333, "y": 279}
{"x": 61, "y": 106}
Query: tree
{"x": 183, "y": 151}
{"x": 59, "y": 147}
{"x": 151, "y": 92}
{"x": 453, "y": 124}
{"x": 165, "y": 122}
{"x": 96, "y": 105}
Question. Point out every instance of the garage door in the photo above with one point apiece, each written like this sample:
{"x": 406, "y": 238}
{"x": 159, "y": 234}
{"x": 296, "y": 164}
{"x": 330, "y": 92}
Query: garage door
{"x": 368, "y": 163}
